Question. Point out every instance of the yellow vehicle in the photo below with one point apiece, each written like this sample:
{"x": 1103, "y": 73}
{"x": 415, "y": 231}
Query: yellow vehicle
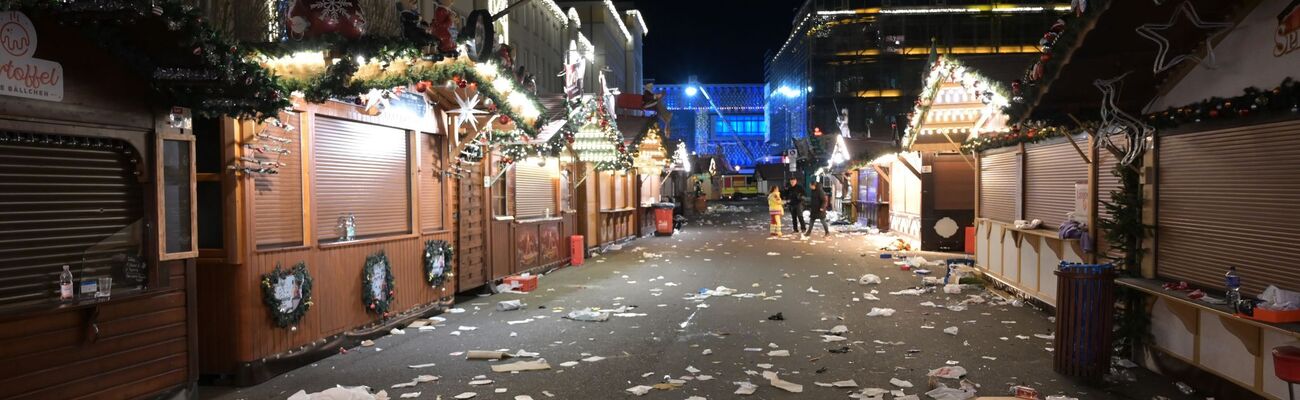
{"x": 739, "y": 187}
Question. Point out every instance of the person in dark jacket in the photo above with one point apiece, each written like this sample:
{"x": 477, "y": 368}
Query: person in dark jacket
{"x": 794, "y": 200}
{"x": 817, "y": 206}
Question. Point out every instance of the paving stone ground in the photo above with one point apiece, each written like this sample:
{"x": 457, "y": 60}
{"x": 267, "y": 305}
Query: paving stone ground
{"x": 812, "y": 283}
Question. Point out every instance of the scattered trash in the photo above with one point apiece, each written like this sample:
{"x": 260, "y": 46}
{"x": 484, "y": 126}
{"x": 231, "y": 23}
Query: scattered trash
{"x": 588, "y": 316}
{"x": 411, "y": 395}
{"x": 778, "y": 353}
{"x": 869, "y": 279}
{"x": 1185, "y": 388}
{"x": 466, "y": 395}
{"x": 593, "y": 359}
{"x": 838, "y": 384}
{"x": 776, "y": 317}
{"x": 418, "y": 366}
{"x": 534, "y": 365}
{"x": 840, "y": 350}
{"x": 880, "y": 312}
{"x": 908, "y": 292}
{"x": 480, "y": 382}
{"x": 567, "y": 364}
{"x": 746, "y": 388}
{"x": 900, "y": 383}
{"x": 397, "y": 331}
{"x": 509, "y": 305}
{"x": 783, "y": 385}
{"x": 948, "y": 372}
{"x": 341, "y": 393}
{"x": 952, "y": 330}
{"x": 485, "y": 355}
{"x": 367, "y": 343}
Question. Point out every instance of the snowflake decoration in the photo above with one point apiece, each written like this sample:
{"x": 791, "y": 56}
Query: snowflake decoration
{"x": 332, "y": 10}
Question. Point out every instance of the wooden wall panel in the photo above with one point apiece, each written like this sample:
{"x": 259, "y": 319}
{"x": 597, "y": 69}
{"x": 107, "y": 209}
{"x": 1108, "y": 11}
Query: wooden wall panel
{"x": 142, "y": 348}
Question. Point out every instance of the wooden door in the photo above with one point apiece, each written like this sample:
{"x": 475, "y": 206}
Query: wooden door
{"x": 472, "y": 220}
{"x": 500, "y": 245}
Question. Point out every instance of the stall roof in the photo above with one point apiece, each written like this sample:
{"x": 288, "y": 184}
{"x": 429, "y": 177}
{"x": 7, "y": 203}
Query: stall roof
{"x": 1109, "y": 46}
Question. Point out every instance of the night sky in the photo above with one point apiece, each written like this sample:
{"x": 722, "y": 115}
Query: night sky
{"x": 720, "y": 41}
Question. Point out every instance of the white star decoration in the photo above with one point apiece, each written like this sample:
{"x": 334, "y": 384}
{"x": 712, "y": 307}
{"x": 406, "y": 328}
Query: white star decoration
{"x": 374, "y": 99}
{"x": 466, "y": 112}
{"x": 1149, "y": 31}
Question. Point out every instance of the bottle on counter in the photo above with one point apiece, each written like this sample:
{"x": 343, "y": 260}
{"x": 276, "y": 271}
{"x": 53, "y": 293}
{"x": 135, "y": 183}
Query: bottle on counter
{"x": 66, "y": 291}
{"x": 1233, "y": 283}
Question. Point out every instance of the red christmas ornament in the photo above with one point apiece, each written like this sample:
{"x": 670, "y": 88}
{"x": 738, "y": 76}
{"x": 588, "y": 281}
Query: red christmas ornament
{"x": 1214, "y": 113}
{"x": 372, "y": 306}
{"x": 423, "y": 86}
{"x": 503, "y": 119}
{"x": 313, "y": 18}
{"x": 1045, "y": 57}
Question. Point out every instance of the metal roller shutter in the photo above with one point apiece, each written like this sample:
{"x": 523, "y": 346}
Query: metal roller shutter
{"x": 1051, "y": 170}
{"x": 1000, "y": 186}
{"x": 1223, "y": 198}
{"x": 277, "y": 198}
{"x": 431, "y": 183}
{"x": 534, "y": 190}
{"x": 361, "y": 169}
{"x": 64, "y": 200}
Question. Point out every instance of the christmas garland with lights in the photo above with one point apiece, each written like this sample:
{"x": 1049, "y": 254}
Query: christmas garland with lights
{"x": 1284, "y": 98}
{"x": 271, "y": 280}
{"x": 218, "y": 79}
{"x": 377, "y": 303}
{"x": 1060, "y": 39}
{"x": 1253, "y": 102}
{"x": 435, "y": 250}
{"x": 589, "y": 113}
{"x": 1020, "y": 134}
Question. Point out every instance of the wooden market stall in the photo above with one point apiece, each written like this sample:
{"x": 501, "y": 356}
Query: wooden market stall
{"x": 353, "y": 215}
{"x": 932, "y": 184}
{"x": 1201, "y": 143}
{"x": 98, "y": 176}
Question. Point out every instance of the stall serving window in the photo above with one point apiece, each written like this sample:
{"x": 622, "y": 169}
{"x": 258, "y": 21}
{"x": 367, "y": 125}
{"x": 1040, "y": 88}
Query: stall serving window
{"x": 650, "y": 187}
{"x": 535, "y": 189}
{"x": 1218, "y": 208}
{"x": 432, "y": 183}
{"x": 75, "y": 201}
{"x": 277, "y": 198}
{"x": 999, "y": 186}
{"x": 361, "y": 179}
{"x": 1051, "y": 171}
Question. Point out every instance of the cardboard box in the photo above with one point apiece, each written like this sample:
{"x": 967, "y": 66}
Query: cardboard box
{"x": 522, "y": 283}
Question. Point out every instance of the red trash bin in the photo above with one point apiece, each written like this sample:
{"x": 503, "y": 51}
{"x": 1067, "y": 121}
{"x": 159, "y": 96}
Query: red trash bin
{"x": 663, "y": 219}
{"x": 577, "y": 250}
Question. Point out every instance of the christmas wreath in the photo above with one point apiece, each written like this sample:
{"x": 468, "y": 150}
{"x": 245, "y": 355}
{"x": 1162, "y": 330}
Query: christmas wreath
{"x": 437, "y": 261}
{"x": 287, "y": 294}
{"x": 377, "y": 288}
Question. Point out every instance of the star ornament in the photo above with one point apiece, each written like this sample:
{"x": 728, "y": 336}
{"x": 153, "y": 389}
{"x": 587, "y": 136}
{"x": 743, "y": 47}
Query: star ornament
{"x": 465, "y": 111}
{"x": 1185, "y": 10}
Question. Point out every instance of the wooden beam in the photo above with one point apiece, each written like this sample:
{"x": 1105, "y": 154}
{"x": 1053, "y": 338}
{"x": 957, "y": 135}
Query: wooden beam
{"x": 908, "y": 165}
{"x": 1077, "y": 149}
{"x": 963, "y": 155}
{"x": 881, "y": 173}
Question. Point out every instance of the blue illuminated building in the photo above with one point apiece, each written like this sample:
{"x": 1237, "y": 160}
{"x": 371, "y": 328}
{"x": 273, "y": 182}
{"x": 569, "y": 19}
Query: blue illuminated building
{"x": 745, "y": 126}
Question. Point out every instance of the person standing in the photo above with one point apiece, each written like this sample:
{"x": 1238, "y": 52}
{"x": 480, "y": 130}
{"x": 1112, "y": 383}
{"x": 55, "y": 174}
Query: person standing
{"x": 817, "y": 209}
{"x": 774, "y": 206}
{"x": 794, "y": 198}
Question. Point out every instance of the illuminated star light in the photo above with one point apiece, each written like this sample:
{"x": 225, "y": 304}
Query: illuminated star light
{"x": 1149, "y": 31}
{"x": 466, "y": 112}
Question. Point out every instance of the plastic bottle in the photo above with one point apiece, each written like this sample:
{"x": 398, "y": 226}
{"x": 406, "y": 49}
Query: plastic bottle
{"x": 1234, "y": 287}
{"x": 65, "y": 284}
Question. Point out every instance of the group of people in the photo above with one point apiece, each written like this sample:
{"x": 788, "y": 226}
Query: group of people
{"x": 792, "y": 198}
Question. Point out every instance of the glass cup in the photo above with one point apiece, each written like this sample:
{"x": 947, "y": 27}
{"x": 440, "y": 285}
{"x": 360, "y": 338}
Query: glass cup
{"x": 105, "y": 286}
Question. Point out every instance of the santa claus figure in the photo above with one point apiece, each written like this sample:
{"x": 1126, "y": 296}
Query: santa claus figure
{"x": 445, "y": 27}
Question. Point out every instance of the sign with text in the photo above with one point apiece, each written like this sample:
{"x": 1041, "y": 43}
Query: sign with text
{"x": 21, "y": 75}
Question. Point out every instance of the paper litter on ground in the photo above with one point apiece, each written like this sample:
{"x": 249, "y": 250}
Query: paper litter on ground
{"x": 533, "y": 365}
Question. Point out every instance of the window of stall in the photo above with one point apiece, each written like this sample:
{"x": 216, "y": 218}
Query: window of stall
{"x": 362, "y": 185}
{"x": 94, "y": 223}
{"x": 535, "y": 182}
{"x": 566, "y": 192}
{"x": 432, "y": 183}
{"x": 175, "y": 172}
{"x": 500, "y": 176}
{"x": 277, "y": 198}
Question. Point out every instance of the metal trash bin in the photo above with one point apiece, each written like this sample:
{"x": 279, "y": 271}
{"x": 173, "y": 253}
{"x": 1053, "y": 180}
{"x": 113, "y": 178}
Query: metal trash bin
{"x": 664, "y": 219}
{"x": 1085, "y": 317}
